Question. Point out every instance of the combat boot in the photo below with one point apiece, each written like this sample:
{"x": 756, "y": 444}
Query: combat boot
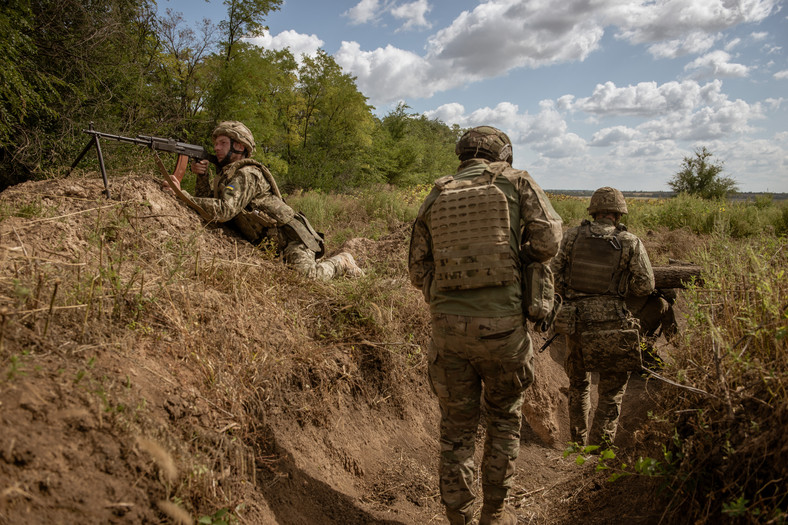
{"x": 346, "y": 265}
{"x": 459, "y": 518}
{"x": 497, "y": 514}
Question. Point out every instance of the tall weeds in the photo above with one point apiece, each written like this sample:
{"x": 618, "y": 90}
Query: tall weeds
{"x": 729, "y": 448}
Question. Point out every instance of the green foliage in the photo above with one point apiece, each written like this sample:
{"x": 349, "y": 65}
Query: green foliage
{"x": 734, "y": 348}
{"x": 245, "y": 18}
{"x": 700, "y": 176}
{"x": 220, "y": 517}
{"x": 571, "y": 209}
{"x": 738, "y": 219}
{"x": 411, "y": 149}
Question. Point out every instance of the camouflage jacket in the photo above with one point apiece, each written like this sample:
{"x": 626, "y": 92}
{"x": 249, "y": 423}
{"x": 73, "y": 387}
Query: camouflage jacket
{"x": 241, "y": 195}
{"x": 634, "y": 263}
{"x": 535, "y": 235}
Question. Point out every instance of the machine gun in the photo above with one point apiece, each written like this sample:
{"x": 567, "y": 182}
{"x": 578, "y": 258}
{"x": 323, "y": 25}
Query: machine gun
{"x": 184, "y": 151}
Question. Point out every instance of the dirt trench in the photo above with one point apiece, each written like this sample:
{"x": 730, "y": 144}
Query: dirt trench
{"x": 175, "y": 403}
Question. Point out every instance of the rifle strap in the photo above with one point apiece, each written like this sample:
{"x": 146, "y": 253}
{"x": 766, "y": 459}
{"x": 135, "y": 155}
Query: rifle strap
{"x": 177, "y": 191}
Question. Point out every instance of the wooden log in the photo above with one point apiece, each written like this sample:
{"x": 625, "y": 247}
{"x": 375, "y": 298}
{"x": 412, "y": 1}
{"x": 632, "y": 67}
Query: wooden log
{"x": 674, "y": 276}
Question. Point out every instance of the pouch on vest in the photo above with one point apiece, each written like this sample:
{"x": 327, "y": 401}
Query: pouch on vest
{"x": 565, "y": 320}
{"x": 471, "y": 236}
{"x": 538, "y": 292}
{"x": 300, "y": 228}
{"x": 611, "y": 350}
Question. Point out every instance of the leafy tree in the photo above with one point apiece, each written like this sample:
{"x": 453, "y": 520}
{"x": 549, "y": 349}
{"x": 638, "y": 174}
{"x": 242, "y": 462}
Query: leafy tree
{"x": 244, "y": 19}
{"x": 411, "y": 149}
{"x": 701, "y": 176}
{"x": 334, "y": 124}
{"x": 65, "y": 63}
{"x": 180, "y": 95}
{"x": 256, "y": 87}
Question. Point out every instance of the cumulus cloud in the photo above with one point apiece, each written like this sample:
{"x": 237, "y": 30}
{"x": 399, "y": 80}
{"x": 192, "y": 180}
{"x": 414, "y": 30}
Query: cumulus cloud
{"x": 614, "y": 135}
{"x": 781, "y": 75}
{"x": 298, "y": 43}
{"x": 545, "y": 133}
{"x": 414, "y": 14}
{"x": 645, "y": 99}
{"x": 500, "y": 35}
{"x": 364, "y": 12}
{"x": 716, "y": 64}
{"x": 388, "y": 74}
{"x": 675, "y": 19}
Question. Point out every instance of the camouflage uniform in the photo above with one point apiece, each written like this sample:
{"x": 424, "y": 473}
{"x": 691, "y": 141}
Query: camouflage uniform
{"x": 242, "y": 196}
{"x": 479, "y": 338}
{"x": 596, "y": 313}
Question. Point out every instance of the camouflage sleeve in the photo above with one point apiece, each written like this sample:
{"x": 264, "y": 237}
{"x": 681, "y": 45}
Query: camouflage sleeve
{"x": 542, "y": 224}
{"x": 421, "y": 265}
{"x": 641, "y": 279}
{"x": 560, "y": 262}
{"x": 237, "y": 193}
{"x": 202, "y": 186}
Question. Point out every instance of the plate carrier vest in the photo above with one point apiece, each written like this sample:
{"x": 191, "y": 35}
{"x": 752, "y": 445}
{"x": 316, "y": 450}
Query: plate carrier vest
{"x": 470, "y": 230}
{"x": 595, "y": 262}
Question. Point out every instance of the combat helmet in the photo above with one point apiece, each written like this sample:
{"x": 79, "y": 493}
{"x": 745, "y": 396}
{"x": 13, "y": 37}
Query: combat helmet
{"x": 486, "y": 142}
{"x": 607, "y": 199}
{"x": 237, "y": 132}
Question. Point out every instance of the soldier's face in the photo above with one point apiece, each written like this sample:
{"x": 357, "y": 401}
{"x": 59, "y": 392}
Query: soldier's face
{"x": 221, "y": 146}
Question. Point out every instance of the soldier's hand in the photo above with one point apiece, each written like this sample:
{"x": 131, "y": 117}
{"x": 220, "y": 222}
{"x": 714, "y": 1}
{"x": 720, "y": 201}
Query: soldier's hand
{"x": 200, "y": 167}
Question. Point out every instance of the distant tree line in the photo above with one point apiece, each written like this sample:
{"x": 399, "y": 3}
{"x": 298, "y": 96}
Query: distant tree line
{"x": 128, "y": 69}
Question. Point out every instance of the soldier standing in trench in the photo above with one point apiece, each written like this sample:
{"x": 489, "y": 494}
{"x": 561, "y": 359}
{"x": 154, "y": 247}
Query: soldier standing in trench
{"x": 244, "y": 194}
{"x": 598, "y": 265}
{"x": 475, "y": 233}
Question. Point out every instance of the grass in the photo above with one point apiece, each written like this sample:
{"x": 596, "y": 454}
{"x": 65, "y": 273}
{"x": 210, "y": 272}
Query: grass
{"x": 728, "y": 447}
{"x": 254, "y": 338}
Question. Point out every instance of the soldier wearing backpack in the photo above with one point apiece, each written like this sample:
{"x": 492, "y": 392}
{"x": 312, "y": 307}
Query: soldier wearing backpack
{"x": 598, "y": 266}
{"x": 475, "y": 234}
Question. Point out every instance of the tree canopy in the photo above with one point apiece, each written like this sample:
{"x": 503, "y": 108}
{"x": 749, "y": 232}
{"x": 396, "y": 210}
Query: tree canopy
{"x": 701, "y": 176}
{"x": 131, "y": 70}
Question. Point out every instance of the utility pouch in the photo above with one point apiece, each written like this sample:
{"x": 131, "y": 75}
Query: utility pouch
{"x": 611, "y": 350}
{"x": 538, "y": 292}
{"x": 566, "y": 320}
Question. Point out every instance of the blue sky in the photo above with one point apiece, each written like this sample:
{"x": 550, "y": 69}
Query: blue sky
{"x": 601, "y": 93}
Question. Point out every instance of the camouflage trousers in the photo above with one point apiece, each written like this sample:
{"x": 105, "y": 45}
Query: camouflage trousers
{"x": 301, "y": 258}
{"x": 610, "y": 393}
{"x": 477, "y": 363}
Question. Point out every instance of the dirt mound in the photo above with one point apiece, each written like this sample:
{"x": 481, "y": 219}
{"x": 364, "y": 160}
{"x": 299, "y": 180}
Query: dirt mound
{"x": 155, "y": 369}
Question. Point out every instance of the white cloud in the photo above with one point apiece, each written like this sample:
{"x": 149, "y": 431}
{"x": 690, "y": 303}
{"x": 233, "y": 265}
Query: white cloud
{"x": 644, "y": 22}
{"x": 614, "y": 135}
{"x": 762, "y": 35}
{"x": 645, "y": 99}
{"x": 692, "y": 44}
{"x": 414, "y": 14}
{"x": 364, "y": 12}
{"x": 545, "y": 133}
{"x": 536, "y": 35}
{"x": 388, "y": 74}
{"x": 733, "y": 43}
{"x": 781, "y": 75}
{"x": 298, "y": 43}
{"x": 540, "y": 33}
{"x": 716, "y": 64}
